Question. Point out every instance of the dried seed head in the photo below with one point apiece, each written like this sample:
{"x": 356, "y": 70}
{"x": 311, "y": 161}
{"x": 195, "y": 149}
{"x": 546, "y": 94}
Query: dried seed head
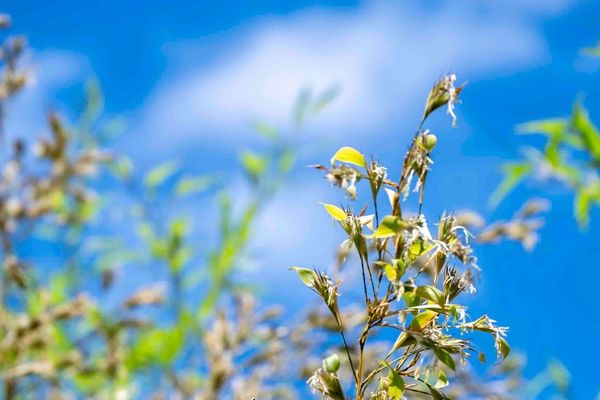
{"x": 443, "y": 93}
{"x": 145, "y": 296}
{"x": 5, "y": 21}
{"x": 344, "y": 177}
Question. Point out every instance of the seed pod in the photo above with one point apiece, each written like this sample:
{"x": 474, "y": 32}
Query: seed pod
{"x": 429, "y": 141}
{"x": 331, "y": 363}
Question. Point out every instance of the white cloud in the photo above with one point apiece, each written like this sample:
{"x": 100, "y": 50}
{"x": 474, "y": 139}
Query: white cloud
{"x": 384, "y": 55}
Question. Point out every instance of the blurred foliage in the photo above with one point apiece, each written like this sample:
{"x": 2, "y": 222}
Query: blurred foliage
{"x": 571, "y": 155}
{"x": 84, "y": 327}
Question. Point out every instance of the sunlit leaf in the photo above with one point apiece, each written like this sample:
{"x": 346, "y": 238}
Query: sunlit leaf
{"x": 431, "y": 293}
{"x": 337, "y": 213}
{"x": 307, "y": 275}
{"x": 349, "y": 155}
{"x": 442, "y": 380}
{"x": 422, "y": 320}
{"x": 445, "y": 357}
{"x": 390, "y": 226}
{"x": 395, "y": 383}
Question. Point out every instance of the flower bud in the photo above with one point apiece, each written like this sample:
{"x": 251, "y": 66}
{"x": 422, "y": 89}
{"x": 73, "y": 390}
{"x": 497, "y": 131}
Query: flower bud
{"x": 331, "y": 363}
{"x": 429, "y": 141}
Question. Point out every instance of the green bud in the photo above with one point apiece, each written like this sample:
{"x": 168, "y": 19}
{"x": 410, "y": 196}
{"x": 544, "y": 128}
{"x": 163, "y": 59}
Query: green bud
{"x": 429, "y": 141}
{"x": 331, "y": 363}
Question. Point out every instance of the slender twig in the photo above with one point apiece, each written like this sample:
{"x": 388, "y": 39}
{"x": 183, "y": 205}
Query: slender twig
{"x": 348, "y": 354}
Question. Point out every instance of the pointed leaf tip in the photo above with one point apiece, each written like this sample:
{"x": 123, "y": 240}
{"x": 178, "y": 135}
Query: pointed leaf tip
{"x": 349, "y": 155}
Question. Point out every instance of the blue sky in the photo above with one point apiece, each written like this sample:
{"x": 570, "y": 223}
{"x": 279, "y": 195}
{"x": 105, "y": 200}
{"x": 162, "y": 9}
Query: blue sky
{"x": 190, "y": 76}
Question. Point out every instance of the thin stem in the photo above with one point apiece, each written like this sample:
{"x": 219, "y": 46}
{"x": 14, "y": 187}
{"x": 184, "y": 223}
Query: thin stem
{"x": 364, "y": 279}
{"x": 362, "y": 263}
{"x": 348, "y": 353}
{"x": 376, "y": 210}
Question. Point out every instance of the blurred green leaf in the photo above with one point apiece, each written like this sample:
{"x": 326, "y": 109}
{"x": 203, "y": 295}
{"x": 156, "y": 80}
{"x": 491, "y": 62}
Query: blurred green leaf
{"x": 254, "y": 164}
{"x": 514, "y": 173}
{"x": 266, "y": 129}
{"x": 159, "y": 174}
{"x": 589, "y": 133}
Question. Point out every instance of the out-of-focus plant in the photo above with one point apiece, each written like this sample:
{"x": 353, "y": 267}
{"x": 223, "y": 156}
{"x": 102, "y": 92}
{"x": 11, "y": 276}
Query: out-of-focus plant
{"x": 571, "y": 156}
{"x": 411, "y": 278}
{"x": 522, "y": 227}
{"x": 72, "y": 330}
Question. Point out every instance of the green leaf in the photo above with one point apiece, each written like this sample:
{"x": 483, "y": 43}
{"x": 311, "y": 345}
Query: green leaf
{"x": 582, "y": 207}
{"x": 390, "y": 272}
{"x": 504, "y": 348}
{"x": 286, "y": 161}
{"x": 332, "y": 363}
{"x": 550, "y": 127}
{"x": 582, "y": 124}
{"x": 349, "y": 155}
{"x": 337, "y": 213}
{"x": 514, "y": 173}
{"x": 253, "y": 163}
{"x": 302, "y": 106}
{"x": 422, "y": 320}
{"x": 159, "y": 346}
{"x": 266, "y": 129}
{"x": 307, "y": 275}
{"x": 390, "y": 225}
{"x": 159, "y": 174}
{"x": 396, "y": 383}
{"x": 122, "y": 167}
{"x": 325, "y": 98}
{"x": 420, "y": 247}
{"x": 592, "y": 51}
{"x": 445, "y": 357}
{"x": 432, "y": 293}
{"x": 191, "y": 185}
{"x": 404, "y": 339}
{"x": 442, "y": 380}
{"x": 436, "y": 394}
{"x": 560, "y": 375}
{"x": 411, "y": 299}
